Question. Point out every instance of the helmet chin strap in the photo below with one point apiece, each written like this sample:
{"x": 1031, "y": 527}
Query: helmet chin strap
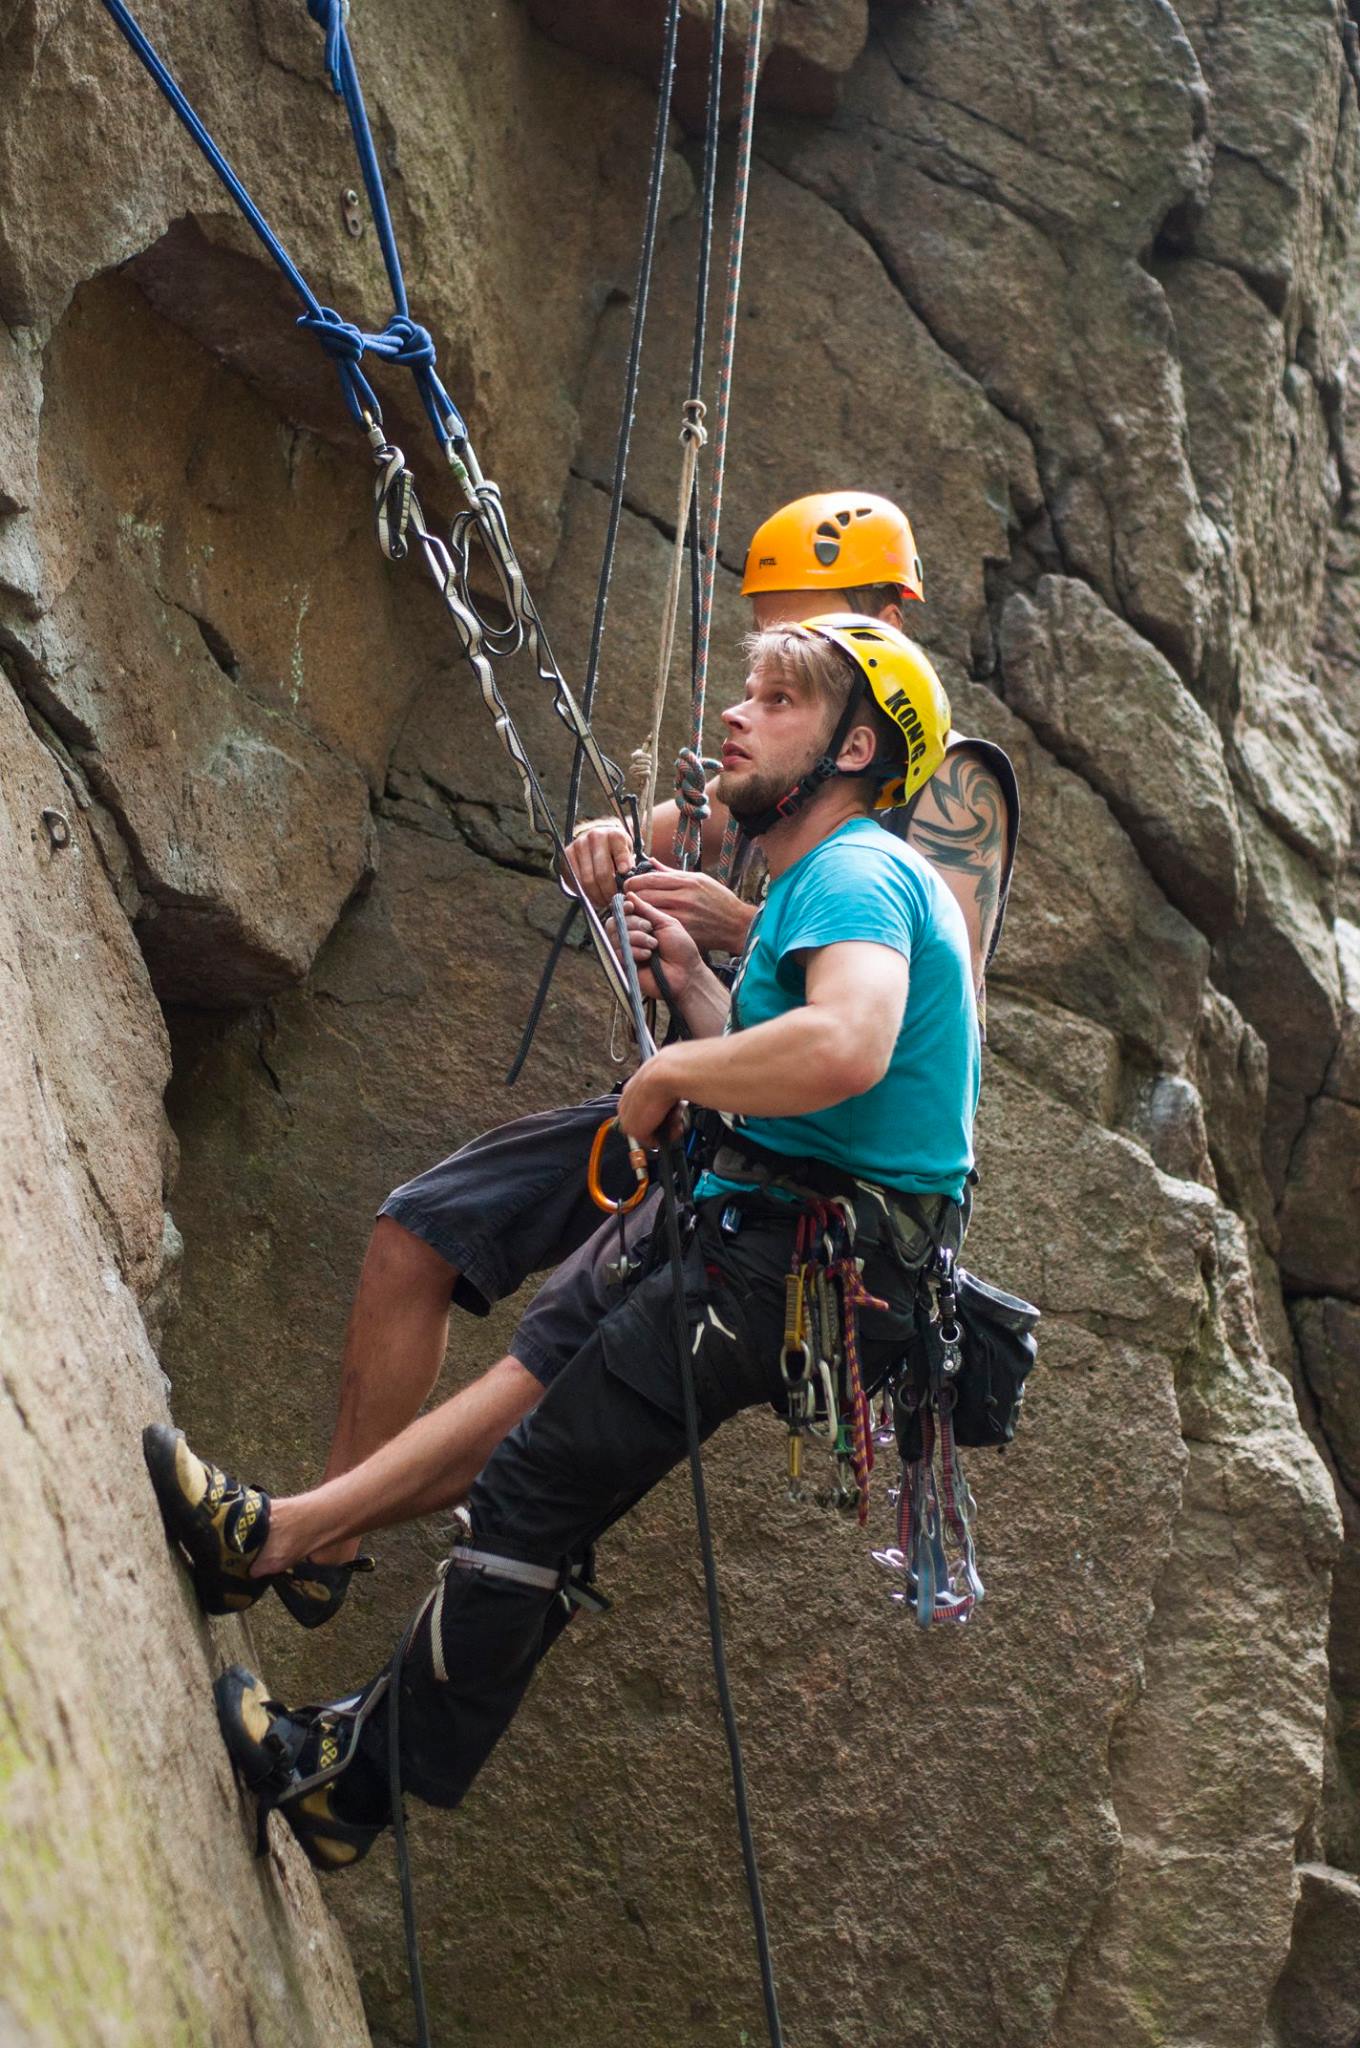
{"x": 821, "y": 772}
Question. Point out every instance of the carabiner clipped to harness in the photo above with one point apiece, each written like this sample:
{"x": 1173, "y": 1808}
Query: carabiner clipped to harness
{"x": 637, "y": 1159}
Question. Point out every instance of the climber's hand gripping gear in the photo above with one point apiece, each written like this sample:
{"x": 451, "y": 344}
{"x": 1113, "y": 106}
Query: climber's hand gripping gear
{"x": 834, "y": 540}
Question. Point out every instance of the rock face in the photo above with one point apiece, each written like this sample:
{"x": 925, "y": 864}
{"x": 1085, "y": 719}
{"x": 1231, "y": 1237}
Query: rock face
{"x": 130, "y": 1910}
{"x": 1087, "y": 313}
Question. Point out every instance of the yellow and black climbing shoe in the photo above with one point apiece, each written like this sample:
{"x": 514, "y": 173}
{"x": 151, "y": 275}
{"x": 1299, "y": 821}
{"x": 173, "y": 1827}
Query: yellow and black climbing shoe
{"x": 219, "y": 1524}
{"x": 293, "y": 1759}
{"x": 314, "y": 1593}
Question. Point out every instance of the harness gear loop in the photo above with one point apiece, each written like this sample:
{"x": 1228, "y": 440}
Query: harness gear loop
{"x": 637, "y": 1159}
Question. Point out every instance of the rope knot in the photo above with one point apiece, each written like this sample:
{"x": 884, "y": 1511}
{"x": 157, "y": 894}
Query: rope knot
{"x": 691, "y": 773}
{"x": 641, "y": 769}
{"x": 341, "y": 340}
{"x": 693, "y": 428}
{"x": 407, "y": 342}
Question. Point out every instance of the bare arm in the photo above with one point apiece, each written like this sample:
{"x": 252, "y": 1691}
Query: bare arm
{"x": 836, "y": 1044}
{"x": 959, "y": 824}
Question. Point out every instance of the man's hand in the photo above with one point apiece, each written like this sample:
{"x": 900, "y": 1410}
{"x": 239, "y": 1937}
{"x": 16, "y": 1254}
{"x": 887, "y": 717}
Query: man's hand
{"x": 715, "y": 919}
{"x": 649, "y": 1107}
{"x": 599, "y": 854}
{"x": 655, "y": 935}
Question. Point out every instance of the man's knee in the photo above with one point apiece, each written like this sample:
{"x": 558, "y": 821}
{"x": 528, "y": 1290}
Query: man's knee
{"x": 464, "y": 1676}
{"x": 399, "y": 1261}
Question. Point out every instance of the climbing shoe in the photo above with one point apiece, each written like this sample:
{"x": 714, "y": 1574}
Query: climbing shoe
{"x": 219, "y": 1524}
{"x": 314, "y": 1593}
{"x": 292, "y": 1758}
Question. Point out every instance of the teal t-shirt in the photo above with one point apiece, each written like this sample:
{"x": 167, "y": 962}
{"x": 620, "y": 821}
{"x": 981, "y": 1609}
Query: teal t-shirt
{"x": 914, "y": 1128}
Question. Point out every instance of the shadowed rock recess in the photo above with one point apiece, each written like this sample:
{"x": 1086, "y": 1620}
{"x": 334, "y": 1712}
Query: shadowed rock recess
{"x": 1075, "y": 284}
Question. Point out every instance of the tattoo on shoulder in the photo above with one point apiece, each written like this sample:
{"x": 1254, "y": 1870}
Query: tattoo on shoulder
{"x": 960, "y": 824}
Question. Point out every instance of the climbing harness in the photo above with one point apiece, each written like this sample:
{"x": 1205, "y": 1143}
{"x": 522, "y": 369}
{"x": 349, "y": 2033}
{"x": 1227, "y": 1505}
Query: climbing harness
{"x": 959, "y": 1380}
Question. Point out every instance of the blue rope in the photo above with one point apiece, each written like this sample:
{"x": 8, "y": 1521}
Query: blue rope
{"x": 413, "y": 346}
{"x": 403, "y": 340}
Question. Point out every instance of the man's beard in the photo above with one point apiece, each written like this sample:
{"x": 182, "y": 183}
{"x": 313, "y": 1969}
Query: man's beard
{"x": 749, "y": 796}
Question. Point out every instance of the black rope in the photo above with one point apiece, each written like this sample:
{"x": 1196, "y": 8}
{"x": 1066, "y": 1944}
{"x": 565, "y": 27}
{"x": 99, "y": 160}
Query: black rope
{"x": 564, "y": 931}
{"x": 646, "y": 260}
{"x": 675, "y": 1188}
{"x": 708, "y": 191}
{"x": 408, "y": 1901}
{"x": 627, "y": 411}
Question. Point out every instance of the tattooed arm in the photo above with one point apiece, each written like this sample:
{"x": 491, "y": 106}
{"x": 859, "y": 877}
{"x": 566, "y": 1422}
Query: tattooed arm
{"x": 959, "y": 824}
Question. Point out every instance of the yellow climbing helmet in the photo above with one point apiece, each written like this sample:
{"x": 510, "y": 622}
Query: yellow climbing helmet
{"x": 834, "y": 540}
{"x": 902, "y": 681}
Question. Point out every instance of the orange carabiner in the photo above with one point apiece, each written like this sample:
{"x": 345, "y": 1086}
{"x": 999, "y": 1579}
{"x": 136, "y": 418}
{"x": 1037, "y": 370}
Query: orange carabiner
{"x": 637, "y": 1159}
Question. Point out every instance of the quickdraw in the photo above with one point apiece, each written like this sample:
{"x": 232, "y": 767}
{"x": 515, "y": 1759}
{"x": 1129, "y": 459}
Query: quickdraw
{"x": 935, "y": 1553}
{"x": 397, "y": 507}
{"x": 824, "y": 1393}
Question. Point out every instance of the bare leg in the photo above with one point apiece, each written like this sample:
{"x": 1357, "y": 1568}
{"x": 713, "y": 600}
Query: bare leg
{"x": 430, "y": 1465}
{"x": 394, "y": 1346}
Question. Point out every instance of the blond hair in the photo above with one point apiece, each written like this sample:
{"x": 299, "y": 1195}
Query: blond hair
{"x": 815, "y": 664}
{"x": 821, "y": 668}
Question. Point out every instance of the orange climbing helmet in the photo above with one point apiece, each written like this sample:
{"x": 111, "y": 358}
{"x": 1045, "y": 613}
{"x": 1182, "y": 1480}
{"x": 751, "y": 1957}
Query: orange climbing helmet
{"x": 834, "y": 540}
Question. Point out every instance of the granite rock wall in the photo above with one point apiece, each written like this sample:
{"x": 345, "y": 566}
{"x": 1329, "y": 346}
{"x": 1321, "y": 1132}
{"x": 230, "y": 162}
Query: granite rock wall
{"x": 1075, "y": 285}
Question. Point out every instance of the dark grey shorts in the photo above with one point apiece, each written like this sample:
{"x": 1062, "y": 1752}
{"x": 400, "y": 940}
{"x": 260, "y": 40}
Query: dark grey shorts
{"x": 570, "y": 1305}
{"x": 513, "y": 1202}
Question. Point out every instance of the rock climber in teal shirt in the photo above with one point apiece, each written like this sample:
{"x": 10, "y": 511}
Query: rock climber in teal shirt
{"x": 848, "y": 1078}
{"x": 913, "y": 1130}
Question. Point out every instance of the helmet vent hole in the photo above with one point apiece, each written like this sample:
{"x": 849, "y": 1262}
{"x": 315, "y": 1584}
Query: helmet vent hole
{"x": 826, "y": 551}
{"x": 842, "y": 519}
